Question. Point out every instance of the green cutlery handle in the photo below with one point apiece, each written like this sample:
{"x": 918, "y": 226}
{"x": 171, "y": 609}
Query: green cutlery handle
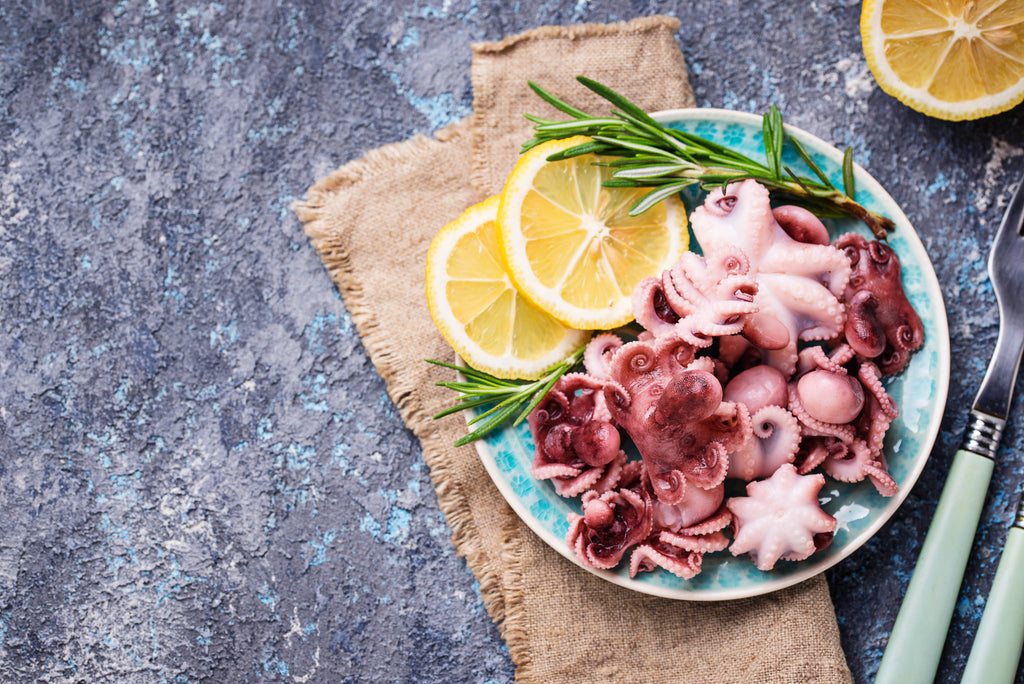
{"x": 919, "y": 634}
{"x": 997, "y": 645}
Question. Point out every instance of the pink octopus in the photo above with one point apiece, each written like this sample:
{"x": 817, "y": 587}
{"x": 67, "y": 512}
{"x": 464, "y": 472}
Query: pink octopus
{"x": 780, "y": 518}
{"x": 844, "y": 417}
{"x": 611, "y": 524}
{"x": 881, "y": 322}
{"x": 674, "y": 414}
{"x": 799, "y": 283}
{"x": 775, "y": 435}
{"x": 698, "y": 298}
{"x": 575, "y": 443}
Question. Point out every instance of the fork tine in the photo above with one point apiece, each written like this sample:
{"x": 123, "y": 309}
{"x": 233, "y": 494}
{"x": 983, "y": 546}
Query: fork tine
{"x": 1008, "y": 237}
{"x": 1013, "y": 219}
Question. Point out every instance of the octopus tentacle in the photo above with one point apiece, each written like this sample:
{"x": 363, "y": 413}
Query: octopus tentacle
{"x": 569, "y": 481}
{"x": 718, "y": 521}
{"x": 681, "y": 552}
{"x": 598, "y": 353}
{"x": 882, "y": 410}
{"x": 705, "y": 363}
{"x": 815, "y": 450}
{"x": 696, "y": 507}
{"x": 856, "y": 462}
{"x": 682, "y": 563}
{"x": 651, "y": 308}
{"x": 817, "y": 357}
{"x": 702, "y": 543}
{"x": 815, "y": 427}
{"x": 704, "y": 298}
{"x": 823, "y": 264}
{"x": 881, "y": 478}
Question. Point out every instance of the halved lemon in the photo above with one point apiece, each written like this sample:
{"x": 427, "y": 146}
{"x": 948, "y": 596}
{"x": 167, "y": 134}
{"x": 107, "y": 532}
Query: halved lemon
{"x": 570, "y": 244}
{"x": 951, "y": 59}
{"x": 478, "y": 310}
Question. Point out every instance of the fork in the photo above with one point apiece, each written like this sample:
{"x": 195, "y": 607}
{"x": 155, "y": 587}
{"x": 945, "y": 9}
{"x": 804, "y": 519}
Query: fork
{"x": 997, "y": 644}
{"x": 915, "y": 645}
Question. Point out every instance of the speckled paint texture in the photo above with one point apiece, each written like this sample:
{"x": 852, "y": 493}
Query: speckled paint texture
{"x": 201, "y": 475}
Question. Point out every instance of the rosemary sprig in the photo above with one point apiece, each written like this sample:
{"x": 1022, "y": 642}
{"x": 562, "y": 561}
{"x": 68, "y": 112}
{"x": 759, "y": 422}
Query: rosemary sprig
{"x": 505, "y": 398}
{"x": 667, "y": 160}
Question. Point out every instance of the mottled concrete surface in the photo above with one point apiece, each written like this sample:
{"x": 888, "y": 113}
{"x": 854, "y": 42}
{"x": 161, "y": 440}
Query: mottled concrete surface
{"x": 201, "y": 476}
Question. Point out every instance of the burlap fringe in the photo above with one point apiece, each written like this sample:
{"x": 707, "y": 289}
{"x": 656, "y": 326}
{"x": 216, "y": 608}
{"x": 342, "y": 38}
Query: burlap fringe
{"x": 515, "y": 629}
{"x": 332, "y": 248}
{"x": 578, "y": 31}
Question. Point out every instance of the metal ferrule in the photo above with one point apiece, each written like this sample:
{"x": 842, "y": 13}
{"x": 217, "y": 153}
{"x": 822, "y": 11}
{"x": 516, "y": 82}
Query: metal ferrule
{"x": 983, "y": 434}
{"x": 1018, "y": 520}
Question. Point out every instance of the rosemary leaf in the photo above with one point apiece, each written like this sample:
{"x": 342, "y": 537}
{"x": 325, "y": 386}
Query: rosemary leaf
{"x": 557, "y": 103}
{"x": 802, "y": 182}
{"x": 650, "y": 171}
{"x": 617, "y": 100}
{"x": 810, "y": 163}
{"x": 848, "y": 186}
{"x": 773, "y": 133}
{"x": 462, "y": 405}
{"x": 571, "y": 126}
{"x": 506, "y": 398}
{"x": 577, "y": 150}
{"x": 537, "y": 398}
{"x": 627, "y": 143}
{"x": 655, "y": 196}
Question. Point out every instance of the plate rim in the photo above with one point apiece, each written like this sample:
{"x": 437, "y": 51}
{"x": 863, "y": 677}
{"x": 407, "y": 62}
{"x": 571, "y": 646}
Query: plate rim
{"x": 930, "y": 433}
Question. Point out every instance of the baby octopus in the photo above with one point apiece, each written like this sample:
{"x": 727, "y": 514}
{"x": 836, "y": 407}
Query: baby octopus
{"x": 843, "y": 416}
{"x": 780, "y": 518}
{"x": 775, "y": 434}
{"x": 798, "y": 283}
{"x": 723, "y": 383}
{"x": 675, "y": 415}
{"x": 575, "y": 444}
{"x": 881, "y": 322}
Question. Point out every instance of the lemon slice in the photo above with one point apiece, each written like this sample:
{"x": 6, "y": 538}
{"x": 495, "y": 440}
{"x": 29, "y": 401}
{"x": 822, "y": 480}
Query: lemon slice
{"x": 951, "y": 59}
{"x": 478, "y": 310}
{"x": 570, "y": 244}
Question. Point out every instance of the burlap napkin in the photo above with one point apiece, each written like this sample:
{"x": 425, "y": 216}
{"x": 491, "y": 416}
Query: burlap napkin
{"x": 372, "y": 221}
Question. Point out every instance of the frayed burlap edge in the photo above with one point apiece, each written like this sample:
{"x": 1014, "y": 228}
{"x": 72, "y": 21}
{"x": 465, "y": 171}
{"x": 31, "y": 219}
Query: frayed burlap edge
{"x": 331, "y": 247}
{"x": 577, "y": 31}
{"x": 515, "y": 629}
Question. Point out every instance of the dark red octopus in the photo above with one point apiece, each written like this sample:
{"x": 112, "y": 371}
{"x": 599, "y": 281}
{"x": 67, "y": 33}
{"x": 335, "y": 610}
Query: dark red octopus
{"x": 881, "y": 323}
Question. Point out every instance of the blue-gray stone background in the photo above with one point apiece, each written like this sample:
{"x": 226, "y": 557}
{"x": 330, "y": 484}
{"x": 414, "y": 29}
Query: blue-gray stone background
{"x": 201, "y": 475}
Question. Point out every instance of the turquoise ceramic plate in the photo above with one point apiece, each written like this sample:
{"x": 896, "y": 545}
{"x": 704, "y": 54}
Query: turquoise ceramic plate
{"x": 920, "y": 393}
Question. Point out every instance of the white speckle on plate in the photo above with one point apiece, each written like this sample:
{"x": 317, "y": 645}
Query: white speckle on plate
{"x": 849, "y": 513}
